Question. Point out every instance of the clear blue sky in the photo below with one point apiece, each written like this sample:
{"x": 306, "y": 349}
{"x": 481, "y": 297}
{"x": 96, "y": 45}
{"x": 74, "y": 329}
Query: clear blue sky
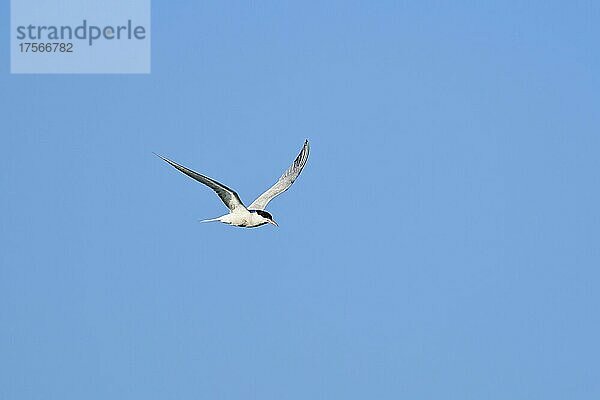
{"x": 442, "y": 242}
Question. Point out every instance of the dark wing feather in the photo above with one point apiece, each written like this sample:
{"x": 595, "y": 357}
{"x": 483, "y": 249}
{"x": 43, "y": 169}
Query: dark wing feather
{"x": 228, "y": 196}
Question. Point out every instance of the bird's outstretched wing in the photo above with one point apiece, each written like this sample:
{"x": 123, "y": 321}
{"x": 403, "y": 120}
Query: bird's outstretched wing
{"x": 229, "y": 197}
{"x": 284, "y": 182}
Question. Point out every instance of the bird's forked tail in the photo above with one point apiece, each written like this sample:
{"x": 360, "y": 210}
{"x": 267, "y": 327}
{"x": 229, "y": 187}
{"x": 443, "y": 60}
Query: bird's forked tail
{"x": 211, "y": 220}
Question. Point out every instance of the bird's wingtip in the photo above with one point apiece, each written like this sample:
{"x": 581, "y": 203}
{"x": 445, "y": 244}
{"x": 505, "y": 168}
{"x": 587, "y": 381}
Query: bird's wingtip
{"x": 161, "y": 157}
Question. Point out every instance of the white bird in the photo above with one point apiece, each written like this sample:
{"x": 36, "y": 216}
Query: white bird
{"x": 255, "y": 214}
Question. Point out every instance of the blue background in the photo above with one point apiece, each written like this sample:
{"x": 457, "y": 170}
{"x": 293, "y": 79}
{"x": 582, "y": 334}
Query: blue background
{"x": 442, "y": 241}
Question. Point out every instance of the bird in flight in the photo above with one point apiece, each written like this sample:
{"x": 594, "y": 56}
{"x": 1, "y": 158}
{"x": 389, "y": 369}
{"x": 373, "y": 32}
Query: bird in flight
{"x": 254, "y": 215}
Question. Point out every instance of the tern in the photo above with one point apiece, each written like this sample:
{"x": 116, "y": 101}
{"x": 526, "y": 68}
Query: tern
{"x": 254, "y": 215}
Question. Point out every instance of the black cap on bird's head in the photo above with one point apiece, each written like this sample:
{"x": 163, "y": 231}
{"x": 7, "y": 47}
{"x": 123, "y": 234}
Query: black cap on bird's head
{"x": 266, "y": 215}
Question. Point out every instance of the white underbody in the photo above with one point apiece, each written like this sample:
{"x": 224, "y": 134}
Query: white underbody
{"x": 241, "y": 218}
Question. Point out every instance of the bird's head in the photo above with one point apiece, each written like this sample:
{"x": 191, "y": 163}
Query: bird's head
{"x": 267, "y": 217}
